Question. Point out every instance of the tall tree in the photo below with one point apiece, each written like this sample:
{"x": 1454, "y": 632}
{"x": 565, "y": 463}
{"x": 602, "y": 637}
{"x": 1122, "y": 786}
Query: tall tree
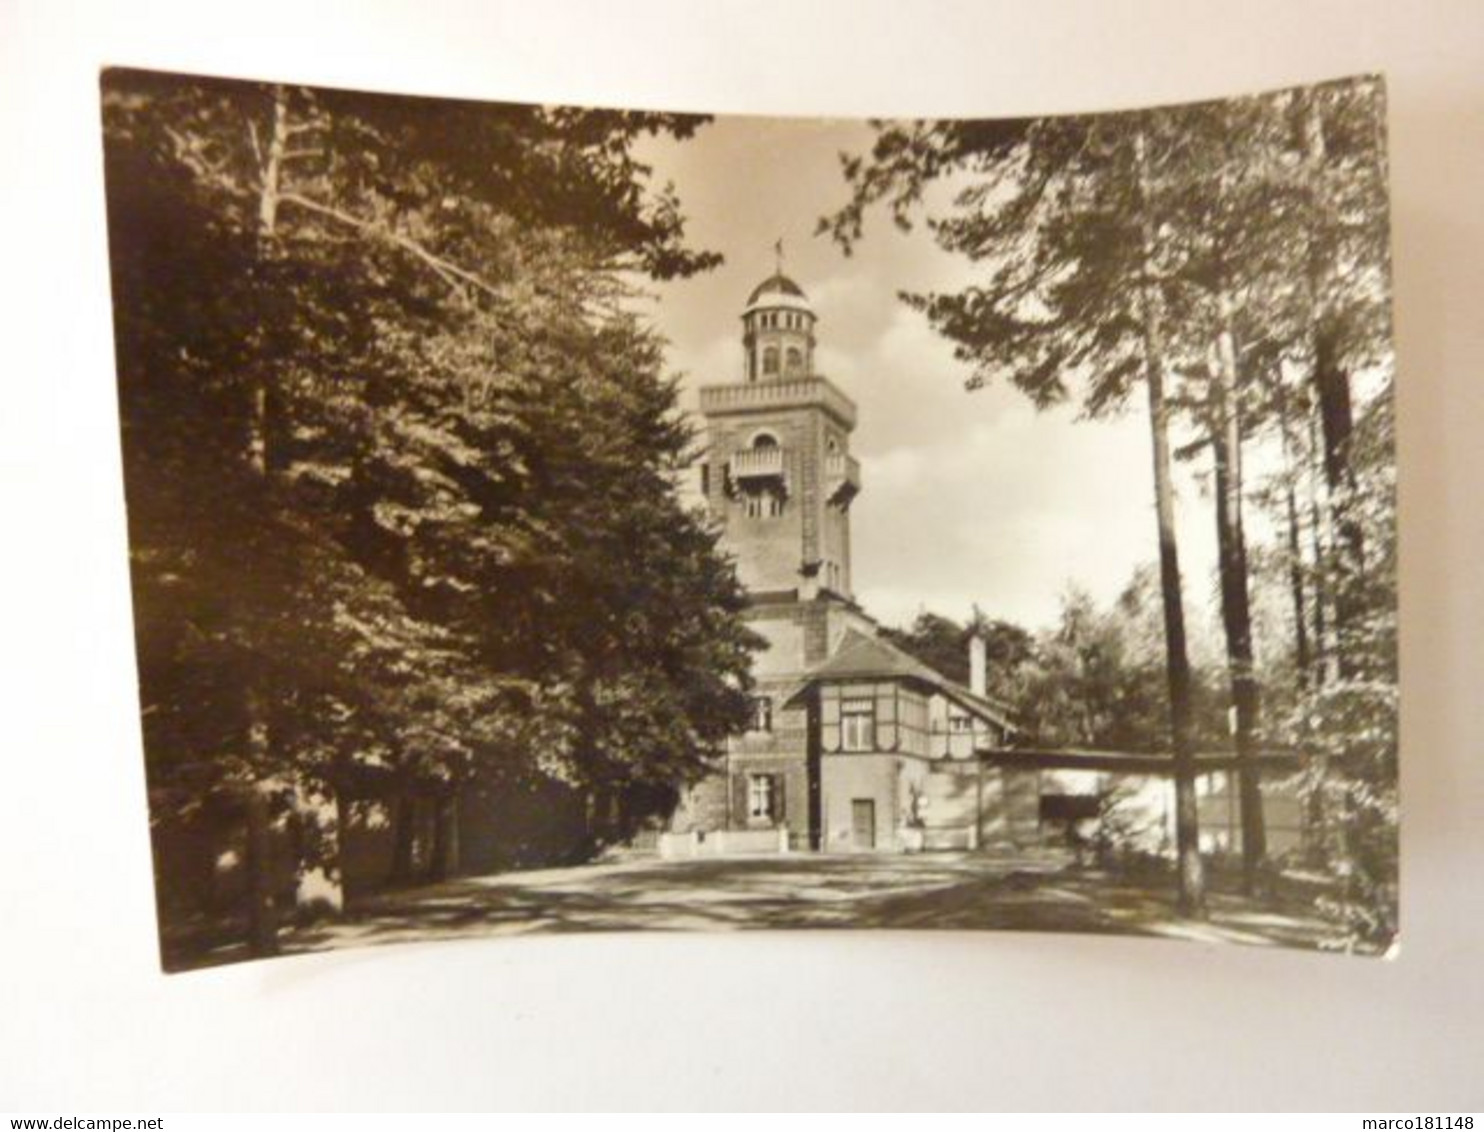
{"x": 377, "y": 385}
{"x": 1066, "y": 217}
{"x": 1228, "y": 272}
{"x": 1345, "y": 260}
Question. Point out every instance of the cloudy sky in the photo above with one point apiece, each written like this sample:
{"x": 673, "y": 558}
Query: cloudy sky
{"x": 967, "y": 498}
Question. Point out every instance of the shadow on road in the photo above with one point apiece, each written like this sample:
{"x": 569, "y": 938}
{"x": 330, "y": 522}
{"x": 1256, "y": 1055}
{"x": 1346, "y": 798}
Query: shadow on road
{"x": 966, "y": 891}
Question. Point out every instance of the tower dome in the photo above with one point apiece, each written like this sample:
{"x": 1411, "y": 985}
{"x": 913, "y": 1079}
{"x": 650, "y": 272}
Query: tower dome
{"x": 778, "y": 331}
{"x": 777, "y": 286}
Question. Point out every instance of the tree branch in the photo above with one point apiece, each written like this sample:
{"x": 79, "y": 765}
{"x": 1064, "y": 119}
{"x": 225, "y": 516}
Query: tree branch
{"x": 445, "y": 270}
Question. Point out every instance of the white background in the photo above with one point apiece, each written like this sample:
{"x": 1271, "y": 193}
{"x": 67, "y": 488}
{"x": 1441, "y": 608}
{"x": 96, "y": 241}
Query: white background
{"x": 860, "y": 1020}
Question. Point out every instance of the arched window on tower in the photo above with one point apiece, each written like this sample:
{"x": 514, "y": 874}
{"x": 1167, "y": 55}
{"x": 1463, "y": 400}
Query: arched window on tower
{"x": 794, "y": 361}
{"x": 770, "y": 360}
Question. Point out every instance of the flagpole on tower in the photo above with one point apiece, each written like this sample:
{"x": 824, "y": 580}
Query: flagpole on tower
{"x": 778, "y": 256}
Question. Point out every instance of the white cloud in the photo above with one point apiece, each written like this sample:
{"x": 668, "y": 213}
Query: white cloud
{"x": 841, "y": 296}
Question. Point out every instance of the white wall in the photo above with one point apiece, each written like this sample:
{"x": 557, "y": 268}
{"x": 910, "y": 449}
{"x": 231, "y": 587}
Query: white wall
{"x": 87, "y": 1023}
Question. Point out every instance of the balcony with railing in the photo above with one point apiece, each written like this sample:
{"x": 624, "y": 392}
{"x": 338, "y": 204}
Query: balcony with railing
{"x": 842, "y": 475}
{"x": 758, "y": 467}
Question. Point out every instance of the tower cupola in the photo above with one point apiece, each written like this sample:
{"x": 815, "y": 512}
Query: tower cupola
{"x": 778, "y": 331}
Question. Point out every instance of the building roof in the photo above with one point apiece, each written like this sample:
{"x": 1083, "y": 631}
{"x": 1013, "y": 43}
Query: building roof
{"x": 860, "y": 657}
{"x": 776, "y": 284}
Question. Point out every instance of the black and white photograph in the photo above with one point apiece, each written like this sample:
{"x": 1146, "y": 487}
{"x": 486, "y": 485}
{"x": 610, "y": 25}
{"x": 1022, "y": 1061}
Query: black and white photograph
{"x": 738, "y": 556}
{"x": 553, "y": 519}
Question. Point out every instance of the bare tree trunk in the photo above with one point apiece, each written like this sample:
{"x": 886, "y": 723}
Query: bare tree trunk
{"x": 269, "y": 193}
{"x": 1326, "y": 647}
{"x": 1303, "y": 659}
{"x": 404, "y": 837}
{"x": 1331, "y": 382}
{"x": 1192, "y": 891}
{"x": 278, "y": 139}
{"x": 1319, "y": 545}
{"x": 1302, "y": 655}
{"x": 318, "y": 827}
{"x": 256, "y": 456}
{"x": 1236, "y": 611}
{"x": 1187, "y": 820}
{"x": 344, "y": 809}
{"x": 1336, "y": 421}
{"x": 444, "y": 858}
{"x": 262, "y": 914}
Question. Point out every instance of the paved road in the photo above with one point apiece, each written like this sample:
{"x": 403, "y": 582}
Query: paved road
{"x": 947, "y": 890}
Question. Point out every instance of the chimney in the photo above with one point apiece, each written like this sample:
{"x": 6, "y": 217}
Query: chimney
{"x": 978, "y": 666}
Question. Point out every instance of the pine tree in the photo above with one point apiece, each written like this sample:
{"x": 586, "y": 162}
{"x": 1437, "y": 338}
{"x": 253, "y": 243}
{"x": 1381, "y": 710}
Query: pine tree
{"x": 1066, "y": 218}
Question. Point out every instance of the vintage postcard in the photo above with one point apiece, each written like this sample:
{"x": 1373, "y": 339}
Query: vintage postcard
{"x": 564, "y": 519}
